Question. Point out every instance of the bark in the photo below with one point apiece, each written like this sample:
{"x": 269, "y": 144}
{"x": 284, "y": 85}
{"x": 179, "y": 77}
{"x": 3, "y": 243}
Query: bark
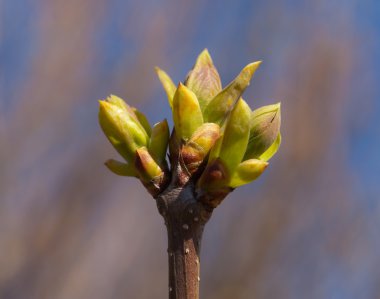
{"x": 185, "y": 218}
{"x": 186, "y": 212}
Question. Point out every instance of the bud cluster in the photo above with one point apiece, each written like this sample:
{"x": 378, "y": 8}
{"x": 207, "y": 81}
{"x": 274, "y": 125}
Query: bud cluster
{"x": 217, "y": 141}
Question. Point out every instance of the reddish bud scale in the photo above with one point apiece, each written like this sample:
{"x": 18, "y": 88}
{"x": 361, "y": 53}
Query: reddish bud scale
{"x": 215, "y": 176}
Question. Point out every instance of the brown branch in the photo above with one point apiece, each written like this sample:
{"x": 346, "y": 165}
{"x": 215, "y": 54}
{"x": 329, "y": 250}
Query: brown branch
{"x": 185, "y": 218}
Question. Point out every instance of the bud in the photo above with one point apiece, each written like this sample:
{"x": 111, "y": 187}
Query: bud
{"x": 269, "y": 153}
{"x": 115, "y": 100}
{"x": 217, "y": 142}
{"x": 135, "y": 114}
{"x": 214, "y": 177}
{"x": 265, "y": 129}
{"x": 168, "y": 85}
{"x": 120, "y": 168}
{"x": 142, "y": 120}
{"x": 231, "y": 146}
{"x": 205, "y": 136}
{"x": 146, "y": 167}
{"x": 122, "y": 130}
{"x": 204, "y": 79}
{"x": 247, "y": 171}
{"x": 219, "y": 107}
{"x": 229, "y": 150}
{"x": 187, "y": 114}
{"x": 158, "y": 143}
{"x": 200, "y": 143}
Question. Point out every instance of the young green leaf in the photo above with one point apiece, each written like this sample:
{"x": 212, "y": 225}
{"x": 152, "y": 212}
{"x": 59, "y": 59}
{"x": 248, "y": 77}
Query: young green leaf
{"x": 121, "y": 130}
{"x": 119, "y": 102}
{"x": 247, "y": 171}
{"x": 204, "y": 79}
{"x": 168, "y": 85}
{"x": 205, "y": 136}
{"x": 132, "y": 112}
{"x": 143, "y": 121}
{"x": 269, "y": 153}
{"x": 187, "y": 114}
{"x": 146, "y": 167}
{"x": 265, "y": 128}
{"x": 120, "y": 168}
{"x": 159, "y": 142}
{"x": 234, "y": 140}
{"x": 219, "y": 107}
{"x": 200, "y": 143}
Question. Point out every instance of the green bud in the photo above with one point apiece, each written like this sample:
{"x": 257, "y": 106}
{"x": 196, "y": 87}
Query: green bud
{"x": 265, "y": 129}
{"x": 231, "y": 146}
{"x": 135, "y": 114}
{"x": 217, "y": 142}
{"x": 121, "y": 129}
{"x": 247, "y": 171}
{"x": 147, "y": 168}
{"x": 200, "y": 143}
{"x": 218, "y": 108}
{"x": 187, "y": 114}
{"x": 142, "y": 120}
{"x": 204, "y": 79}
{"x": 215, "y": 176}
{"x": 269, "y": 153}
{"x": 115, "y": 100}
{"x": 158, "y": 143}
{"x": 119, "y": 102}
{"x": 168, "y": 85}
{"x": 205, "y": 136}
{"x": 120, "y": 168}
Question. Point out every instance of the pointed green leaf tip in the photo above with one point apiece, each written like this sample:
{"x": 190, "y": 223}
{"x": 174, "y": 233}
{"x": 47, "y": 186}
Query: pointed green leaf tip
{"x": 158, "y": 143}
{"x": 204, "y": 79}
{"x": 264, "y": 132}
{"x": 120, "y": 168}
{"x": 187, "y": 114}
{"x": 247, "y": 171}
{"x": 218, "y": 108}
{"x": 167, "y": 83}
{"x": 122, "y": 129}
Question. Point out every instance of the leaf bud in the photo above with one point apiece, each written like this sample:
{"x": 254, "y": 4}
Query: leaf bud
{"x": 247, "y": 171}
{"x": 204, "y": 79}
{"x": 187, "y": 114}
{"x": 158, "y": 143}
{"x": 218, "y": 108}
{"x": 199, "y": 145}
{"x": 145, "y": 165}
{"x": 264, "y": 131}
{"x": 231, "y": 146}
{"x": 121, "y": 129}
{"x": 122, "y": 169}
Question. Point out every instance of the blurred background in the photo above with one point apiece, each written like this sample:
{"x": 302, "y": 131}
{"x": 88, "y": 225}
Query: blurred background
{"x": 308, "y": 228}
